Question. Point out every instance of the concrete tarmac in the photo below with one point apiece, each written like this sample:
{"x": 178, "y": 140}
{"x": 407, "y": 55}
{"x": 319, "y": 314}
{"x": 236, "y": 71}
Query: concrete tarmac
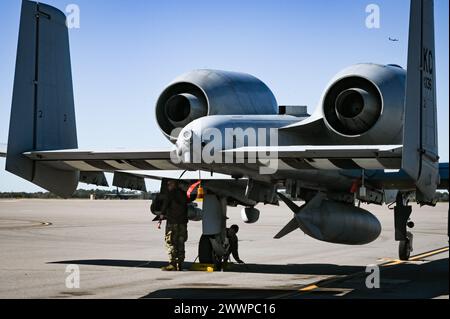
{"x": 119, "y": 251}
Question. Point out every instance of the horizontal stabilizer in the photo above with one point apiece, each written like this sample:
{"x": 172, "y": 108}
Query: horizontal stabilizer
{"x": 107, "y": 161}
{"x": 73, "y": 155}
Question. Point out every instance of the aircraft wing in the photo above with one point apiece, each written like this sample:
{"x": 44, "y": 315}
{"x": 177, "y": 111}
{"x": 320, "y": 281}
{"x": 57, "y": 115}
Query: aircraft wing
{"x": 152, "y": 164}
{"x": 182, "y": 175}
{"x": 313, "y": 157}
{"x": 108, "y": 161}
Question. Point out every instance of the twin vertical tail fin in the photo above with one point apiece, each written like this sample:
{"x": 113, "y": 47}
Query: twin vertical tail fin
{"x": 420, "y": 145}
{"x": 42, "y": 112}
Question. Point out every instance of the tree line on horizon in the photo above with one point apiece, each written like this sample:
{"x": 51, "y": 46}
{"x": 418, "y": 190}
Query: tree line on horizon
{"x": 79, "y": 194}
{"x": 111, "y": 194}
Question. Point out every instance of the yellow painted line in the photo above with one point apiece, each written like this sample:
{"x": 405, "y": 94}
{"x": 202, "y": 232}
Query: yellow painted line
{"x": 391, "y": 262}
{"x": 416, "y": 257}
{"x": 309, "y": 288}
{"x": 431, "y": 253}
{"x": 322, "y": 283}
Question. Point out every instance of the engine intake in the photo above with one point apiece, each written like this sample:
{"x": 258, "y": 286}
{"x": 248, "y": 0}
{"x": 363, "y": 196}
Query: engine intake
{"x": 209, "y": 92}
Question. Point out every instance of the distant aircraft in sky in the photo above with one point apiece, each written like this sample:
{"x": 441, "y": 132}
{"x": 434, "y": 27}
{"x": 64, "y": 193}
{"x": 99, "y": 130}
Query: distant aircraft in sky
{"x": 371, "y": 118}
{"x": 393, "y": 39}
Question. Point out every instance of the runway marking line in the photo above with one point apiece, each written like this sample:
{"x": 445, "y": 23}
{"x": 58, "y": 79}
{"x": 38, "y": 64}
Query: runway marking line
{"x": 309, "y": 288}
{"x": 416, "y": 257}
{"x": 393, "y": 262}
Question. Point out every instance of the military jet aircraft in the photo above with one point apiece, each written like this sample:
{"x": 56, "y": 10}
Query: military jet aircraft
{"x": 121, "y": 195}
{"x": 370, "y": 119}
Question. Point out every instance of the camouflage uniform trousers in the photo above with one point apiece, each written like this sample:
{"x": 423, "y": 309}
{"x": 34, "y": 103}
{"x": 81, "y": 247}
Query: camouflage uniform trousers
{"x": 176, "y": 236}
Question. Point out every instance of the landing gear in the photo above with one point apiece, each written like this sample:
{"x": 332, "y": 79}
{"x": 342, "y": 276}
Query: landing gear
{"x": 205, "y": 251}
{"x": 405, "y": 247}
{"x": 213, "y": 243}
{"x": 211, "y": 251}
{"x": 401, "y": 219}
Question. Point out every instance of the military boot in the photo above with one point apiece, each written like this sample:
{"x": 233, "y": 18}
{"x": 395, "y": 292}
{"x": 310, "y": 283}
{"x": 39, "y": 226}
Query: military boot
{"x": 169, "y": 267}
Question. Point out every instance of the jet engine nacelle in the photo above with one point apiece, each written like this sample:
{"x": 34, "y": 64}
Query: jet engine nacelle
{"x": 250, "y": 215}
{"x": 366, "y": 101}
{"x": 209, "y": 92}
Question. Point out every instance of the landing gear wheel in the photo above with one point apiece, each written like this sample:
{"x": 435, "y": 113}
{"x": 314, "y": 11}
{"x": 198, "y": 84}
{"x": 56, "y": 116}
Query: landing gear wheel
{"x": 206, "y": 253}
{"x": 402, "y": 212}
{"x": 405, "y": 248}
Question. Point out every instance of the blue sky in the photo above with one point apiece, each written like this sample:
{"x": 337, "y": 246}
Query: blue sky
{"x": 125, "y": 52}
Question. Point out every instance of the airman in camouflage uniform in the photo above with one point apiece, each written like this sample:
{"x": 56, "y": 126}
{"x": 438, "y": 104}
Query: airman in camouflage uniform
{"x": 175, "y": 211}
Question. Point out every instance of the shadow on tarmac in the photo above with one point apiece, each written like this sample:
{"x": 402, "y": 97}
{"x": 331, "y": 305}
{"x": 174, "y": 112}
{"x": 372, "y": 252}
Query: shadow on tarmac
{"x": 290, "y": 269}
{"x": 405, "y": 281}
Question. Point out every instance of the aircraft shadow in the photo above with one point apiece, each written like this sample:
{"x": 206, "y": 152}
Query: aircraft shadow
{"x": 214, "y": 293}
{"x": 406, "y": 281}
{"x": 289, "y": 269}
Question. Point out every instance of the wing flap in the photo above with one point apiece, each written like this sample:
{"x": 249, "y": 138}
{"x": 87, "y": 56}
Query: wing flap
{"x": 130, "y": 181}
{"x": 321, "y": 152}
{"x": 183, "y": 175}
{"x": 325, "y": 157}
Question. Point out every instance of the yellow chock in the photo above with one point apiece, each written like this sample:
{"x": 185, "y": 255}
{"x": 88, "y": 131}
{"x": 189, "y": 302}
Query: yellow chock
{"x": 203, "y": 267}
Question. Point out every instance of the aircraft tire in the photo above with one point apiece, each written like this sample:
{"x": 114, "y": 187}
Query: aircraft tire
{"x": 205, "y": 251}
{"x": 404, "y": 250}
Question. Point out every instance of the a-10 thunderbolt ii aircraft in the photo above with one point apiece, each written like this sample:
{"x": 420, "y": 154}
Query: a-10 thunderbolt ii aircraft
{"x": 371, "y": 118}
